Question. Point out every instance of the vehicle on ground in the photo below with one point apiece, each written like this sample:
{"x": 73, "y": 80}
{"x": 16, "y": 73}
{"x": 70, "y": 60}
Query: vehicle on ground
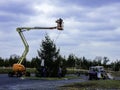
{"x": 98, "y": 72}
{"x": 18, "y": 68}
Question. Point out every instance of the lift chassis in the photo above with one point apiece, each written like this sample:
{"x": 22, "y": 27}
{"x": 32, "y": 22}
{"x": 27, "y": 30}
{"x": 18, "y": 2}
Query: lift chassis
{"x": 18, "y": 68}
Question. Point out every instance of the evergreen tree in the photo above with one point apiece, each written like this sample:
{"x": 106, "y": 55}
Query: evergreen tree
{"x": 50, "y": 54}
{"x": 13, "y": 59}
{"x": 35, "y": 62}
{"x": 71, "y": 60}
{"x": 105, "y": 61}
{"x": 1, "y": 62}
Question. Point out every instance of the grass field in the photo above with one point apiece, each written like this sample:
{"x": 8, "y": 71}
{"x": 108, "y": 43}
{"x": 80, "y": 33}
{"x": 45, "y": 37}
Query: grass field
{"x": 51, "y": 78}
{"x": 89, "y": 85}
{"x": 5, "y": 70}
{"x": 117, "y": 74}
{"x": 94, "y": 85}
{"x": 74, "y": 70}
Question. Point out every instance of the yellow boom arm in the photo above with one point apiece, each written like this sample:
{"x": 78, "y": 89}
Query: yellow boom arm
{"x": 20, "y": 30}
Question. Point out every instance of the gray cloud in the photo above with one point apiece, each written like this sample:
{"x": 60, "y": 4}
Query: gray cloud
{"x": 89, "y": 3}
{"x": 90, "y": 29}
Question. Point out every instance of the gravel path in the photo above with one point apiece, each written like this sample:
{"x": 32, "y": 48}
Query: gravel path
{"x": 39, "y": 84}
{"x": 7, "y": 83}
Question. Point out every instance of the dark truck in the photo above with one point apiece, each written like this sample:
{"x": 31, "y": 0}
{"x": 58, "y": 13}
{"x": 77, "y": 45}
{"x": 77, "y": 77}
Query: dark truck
{"x": 98, "y": 72}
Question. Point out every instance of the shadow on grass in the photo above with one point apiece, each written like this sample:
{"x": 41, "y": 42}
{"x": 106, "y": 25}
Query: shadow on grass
{"x": 94, "y": 85}
{"x": 52, "y": 78}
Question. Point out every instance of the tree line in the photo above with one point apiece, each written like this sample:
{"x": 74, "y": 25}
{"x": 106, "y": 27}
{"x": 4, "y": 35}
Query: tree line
{"x": 49, "y": 52}
{"x": 71, "y": 61}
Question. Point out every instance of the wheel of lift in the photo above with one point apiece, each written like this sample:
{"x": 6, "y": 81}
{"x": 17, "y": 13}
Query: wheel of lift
{"x": 10, "y": 74}
{"x": 19, "y": 74}
{"x": 27, "y": 74}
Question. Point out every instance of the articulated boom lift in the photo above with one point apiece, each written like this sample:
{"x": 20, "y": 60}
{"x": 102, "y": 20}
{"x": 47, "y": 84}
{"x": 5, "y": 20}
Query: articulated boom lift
{"x": 18, "y": 68}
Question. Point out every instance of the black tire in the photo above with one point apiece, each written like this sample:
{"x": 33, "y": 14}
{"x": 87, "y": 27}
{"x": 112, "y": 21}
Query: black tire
{"x": 10, "y": 74}
{"x": 90, "y": 78}
{"x": 27, "y": 74}
{"x": 37, "y": 74}
{"x": 19, "y": 74}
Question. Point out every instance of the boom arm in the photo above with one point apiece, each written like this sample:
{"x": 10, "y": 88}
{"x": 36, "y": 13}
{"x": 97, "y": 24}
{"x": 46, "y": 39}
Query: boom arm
{"x": 20, "y": 30}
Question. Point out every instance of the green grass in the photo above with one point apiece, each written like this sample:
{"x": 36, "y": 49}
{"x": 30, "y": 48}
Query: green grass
{"x": 93, "y": 85}
{"x": 116, "y": 73}
{"x": 5, "y": 70}
{"x": 51, "y": 78}
{"x": 31, "y": 70}
{"x": 74, "y": 70}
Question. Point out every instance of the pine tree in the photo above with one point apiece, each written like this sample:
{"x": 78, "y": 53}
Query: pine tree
{"x": 50, "y": 54}
{"x": 71, "y": 60}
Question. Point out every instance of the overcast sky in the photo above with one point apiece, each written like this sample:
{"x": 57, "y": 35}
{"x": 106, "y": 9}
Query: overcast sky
{"x": 91, "y": 27}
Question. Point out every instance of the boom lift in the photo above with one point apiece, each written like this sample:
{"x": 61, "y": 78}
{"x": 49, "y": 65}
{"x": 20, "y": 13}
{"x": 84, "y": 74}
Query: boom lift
{"x": 18, "y": 69}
